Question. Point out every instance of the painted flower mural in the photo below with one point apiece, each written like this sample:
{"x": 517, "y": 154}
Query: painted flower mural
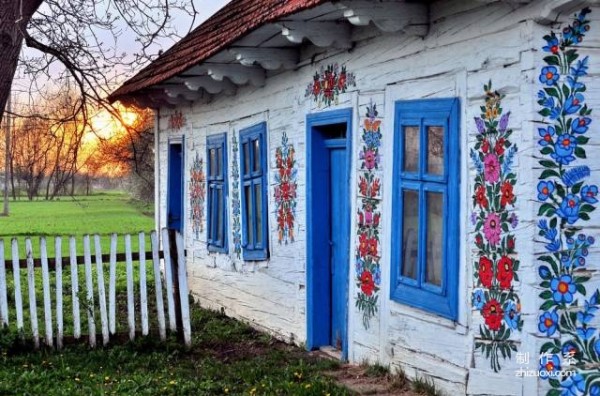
{"x": 368, "y": 270}
{"x": 566, "y": 200}
{"x": 328, "y": 83}
{"x": 496, "y": 268}
{"x": 236, "y": 225}
{"x": 176, "y": 120}
{"x": 197, "y": 190}
{"x": 285, "y": 190}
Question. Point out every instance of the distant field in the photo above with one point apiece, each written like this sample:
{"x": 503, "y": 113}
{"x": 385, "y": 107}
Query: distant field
{"x": 101, "y": 214}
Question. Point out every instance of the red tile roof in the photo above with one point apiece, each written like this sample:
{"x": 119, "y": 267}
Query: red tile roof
{"x": 229, "y": 24}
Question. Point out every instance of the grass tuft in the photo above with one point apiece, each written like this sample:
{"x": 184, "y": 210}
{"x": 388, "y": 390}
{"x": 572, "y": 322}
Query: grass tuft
{"x": 425, "y": 386}
{"x": 375, "y": 370}
{"x": 398, "y": 379}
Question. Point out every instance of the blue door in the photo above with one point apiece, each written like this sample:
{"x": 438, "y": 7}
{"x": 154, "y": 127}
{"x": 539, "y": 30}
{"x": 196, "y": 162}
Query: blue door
{"x": 338, "y": 182}
{"x": 175, "y": 187}
{"x": 328, "y": 151}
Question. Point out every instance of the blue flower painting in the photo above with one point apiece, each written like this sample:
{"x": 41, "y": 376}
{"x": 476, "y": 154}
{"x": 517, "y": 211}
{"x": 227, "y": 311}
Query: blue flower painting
{"x": 566, "y": 199}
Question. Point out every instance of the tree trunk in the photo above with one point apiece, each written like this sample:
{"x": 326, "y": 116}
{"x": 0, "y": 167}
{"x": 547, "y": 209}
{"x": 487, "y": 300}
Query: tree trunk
{"x": 13, "y": 15}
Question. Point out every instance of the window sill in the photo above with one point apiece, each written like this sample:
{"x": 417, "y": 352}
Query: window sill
{"x": 423, "y": 301}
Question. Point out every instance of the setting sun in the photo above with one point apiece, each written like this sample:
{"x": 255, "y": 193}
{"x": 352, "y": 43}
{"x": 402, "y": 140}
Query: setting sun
{"x": 105, "y": 125}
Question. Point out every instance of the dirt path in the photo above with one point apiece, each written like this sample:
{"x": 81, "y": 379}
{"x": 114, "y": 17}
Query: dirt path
{"x": 365, "y": 380}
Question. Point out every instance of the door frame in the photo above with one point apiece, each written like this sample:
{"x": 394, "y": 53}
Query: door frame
{"x": 172, "y": 141}
{"x": 318, "y": 276}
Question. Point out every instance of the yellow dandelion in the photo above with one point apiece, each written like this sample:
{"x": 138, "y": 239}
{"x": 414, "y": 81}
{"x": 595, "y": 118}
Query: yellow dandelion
{"x": 107, "y": 378}
{"x": 307, "y": 386}
{"x": 226, "y": 390}
{"x": 172, "y": 382}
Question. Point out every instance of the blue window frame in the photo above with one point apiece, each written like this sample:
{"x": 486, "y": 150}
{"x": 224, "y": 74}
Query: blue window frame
{"x": 253, "y": 172}
{"x": 216, "y": 154}
{"x": 425, "y": 222}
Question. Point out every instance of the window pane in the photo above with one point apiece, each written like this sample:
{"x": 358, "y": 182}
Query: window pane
{"x": 220, "y": 205}
{"x": 259, "y": 219}
{"x": 213, "y": 162}
{"x": 246, "y": 149}
{"x": 435, "y": 150}
{"x": 256, "y": 148}
{"x": 249, "y": 223}
{"x": 211, "y": 212}
{"x": 411, "y": 148}
{"x": 410, "y": 233}
{"x": 219, "y": 168}
{"x": 435, "y": 230}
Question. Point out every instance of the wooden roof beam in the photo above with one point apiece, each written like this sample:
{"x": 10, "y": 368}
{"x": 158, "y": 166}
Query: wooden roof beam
{"x": 322, "y": 34}
{"x": 209, "y": 84}
{"x": 390, "y": 16}
{"x": 181, "y": 90}
{"x": 267, "y": 58}
{"x": 237, "y": 73}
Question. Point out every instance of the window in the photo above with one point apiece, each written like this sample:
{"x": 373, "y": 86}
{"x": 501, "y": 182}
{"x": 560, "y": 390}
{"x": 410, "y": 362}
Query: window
{"x": 426, "y": 205}
{"x": 253, "y": 164}
{"x": 216, "y": 154}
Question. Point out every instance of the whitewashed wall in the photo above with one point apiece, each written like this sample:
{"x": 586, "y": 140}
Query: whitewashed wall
{"x": 470, "y": 42}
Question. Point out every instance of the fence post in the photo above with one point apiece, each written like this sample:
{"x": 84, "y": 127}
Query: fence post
{"x": 175, "y": 279}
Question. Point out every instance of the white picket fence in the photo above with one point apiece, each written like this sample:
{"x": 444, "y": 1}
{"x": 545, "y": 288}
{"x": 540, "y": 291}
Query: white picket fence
{"x": 173, "y": 269}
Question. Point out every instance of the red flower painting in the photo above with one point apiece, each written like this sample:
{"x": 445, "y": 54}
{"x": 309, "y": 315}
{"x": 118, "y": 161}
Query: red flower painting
{"x": 285, "y": 191}
{"x": 368, "y": 270}
{"x": 486, "y": 271}
{"x": 197, "y": 190}
{"x": 493, "y": 313}
{"x": 493, "y": 217}
{"x": 366, "y": 283}
{"x": 329, "y": 83}
{"x": 504, "y": 272}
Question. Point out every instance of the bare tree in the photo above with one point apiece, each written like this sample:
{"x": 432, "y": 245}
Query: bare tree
{"x": 32, "y": 145}
{"x": 76, "y": 39}
{"x": 133, "y": 154}
{"x": 67, "y": 136}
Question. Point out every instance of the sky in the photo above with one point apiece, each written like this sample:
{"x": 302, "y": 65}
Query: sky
{"x": 126, "y": 43}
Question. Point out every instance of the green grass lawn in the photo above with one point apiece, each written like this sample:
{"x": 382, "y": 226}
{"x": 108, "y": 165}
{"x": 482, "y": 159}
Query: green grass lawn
{"x": 227, "y": 357}
{"x": 101, "y": 214}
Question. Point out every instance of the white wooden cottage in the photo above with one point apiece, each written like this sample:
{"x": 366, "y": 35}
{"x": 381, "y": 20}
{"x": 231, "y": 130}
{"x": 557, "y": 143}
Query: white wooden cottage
{"x": 412, "y": 183}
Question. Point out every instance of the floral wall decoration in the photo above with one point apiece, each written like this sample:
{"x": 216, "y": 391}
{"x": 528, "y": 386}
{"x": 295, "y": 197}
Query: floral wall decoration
{"x": 197, "y": 189}
{"x": 176, "y": 120}
{"x": 285, "y": 190}
{"x": 567, "y": 198}
{"x": 496, "y": 265}
{"x": 235, "y": 198}
{"x": 328, "y": 83}
{"x": 368, "y": 269}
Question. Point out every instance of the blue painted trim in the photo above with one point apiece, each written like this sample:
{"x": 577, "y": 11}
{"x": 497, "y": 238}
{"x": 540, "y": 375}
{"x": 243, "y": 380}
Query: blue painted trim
{"x": 318, "y": 302}
{"x": 178, "y": 141}
{"x": 254, "y": 251}
{"x": 441, "y": 300}
{"x": 216, "y": 243}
